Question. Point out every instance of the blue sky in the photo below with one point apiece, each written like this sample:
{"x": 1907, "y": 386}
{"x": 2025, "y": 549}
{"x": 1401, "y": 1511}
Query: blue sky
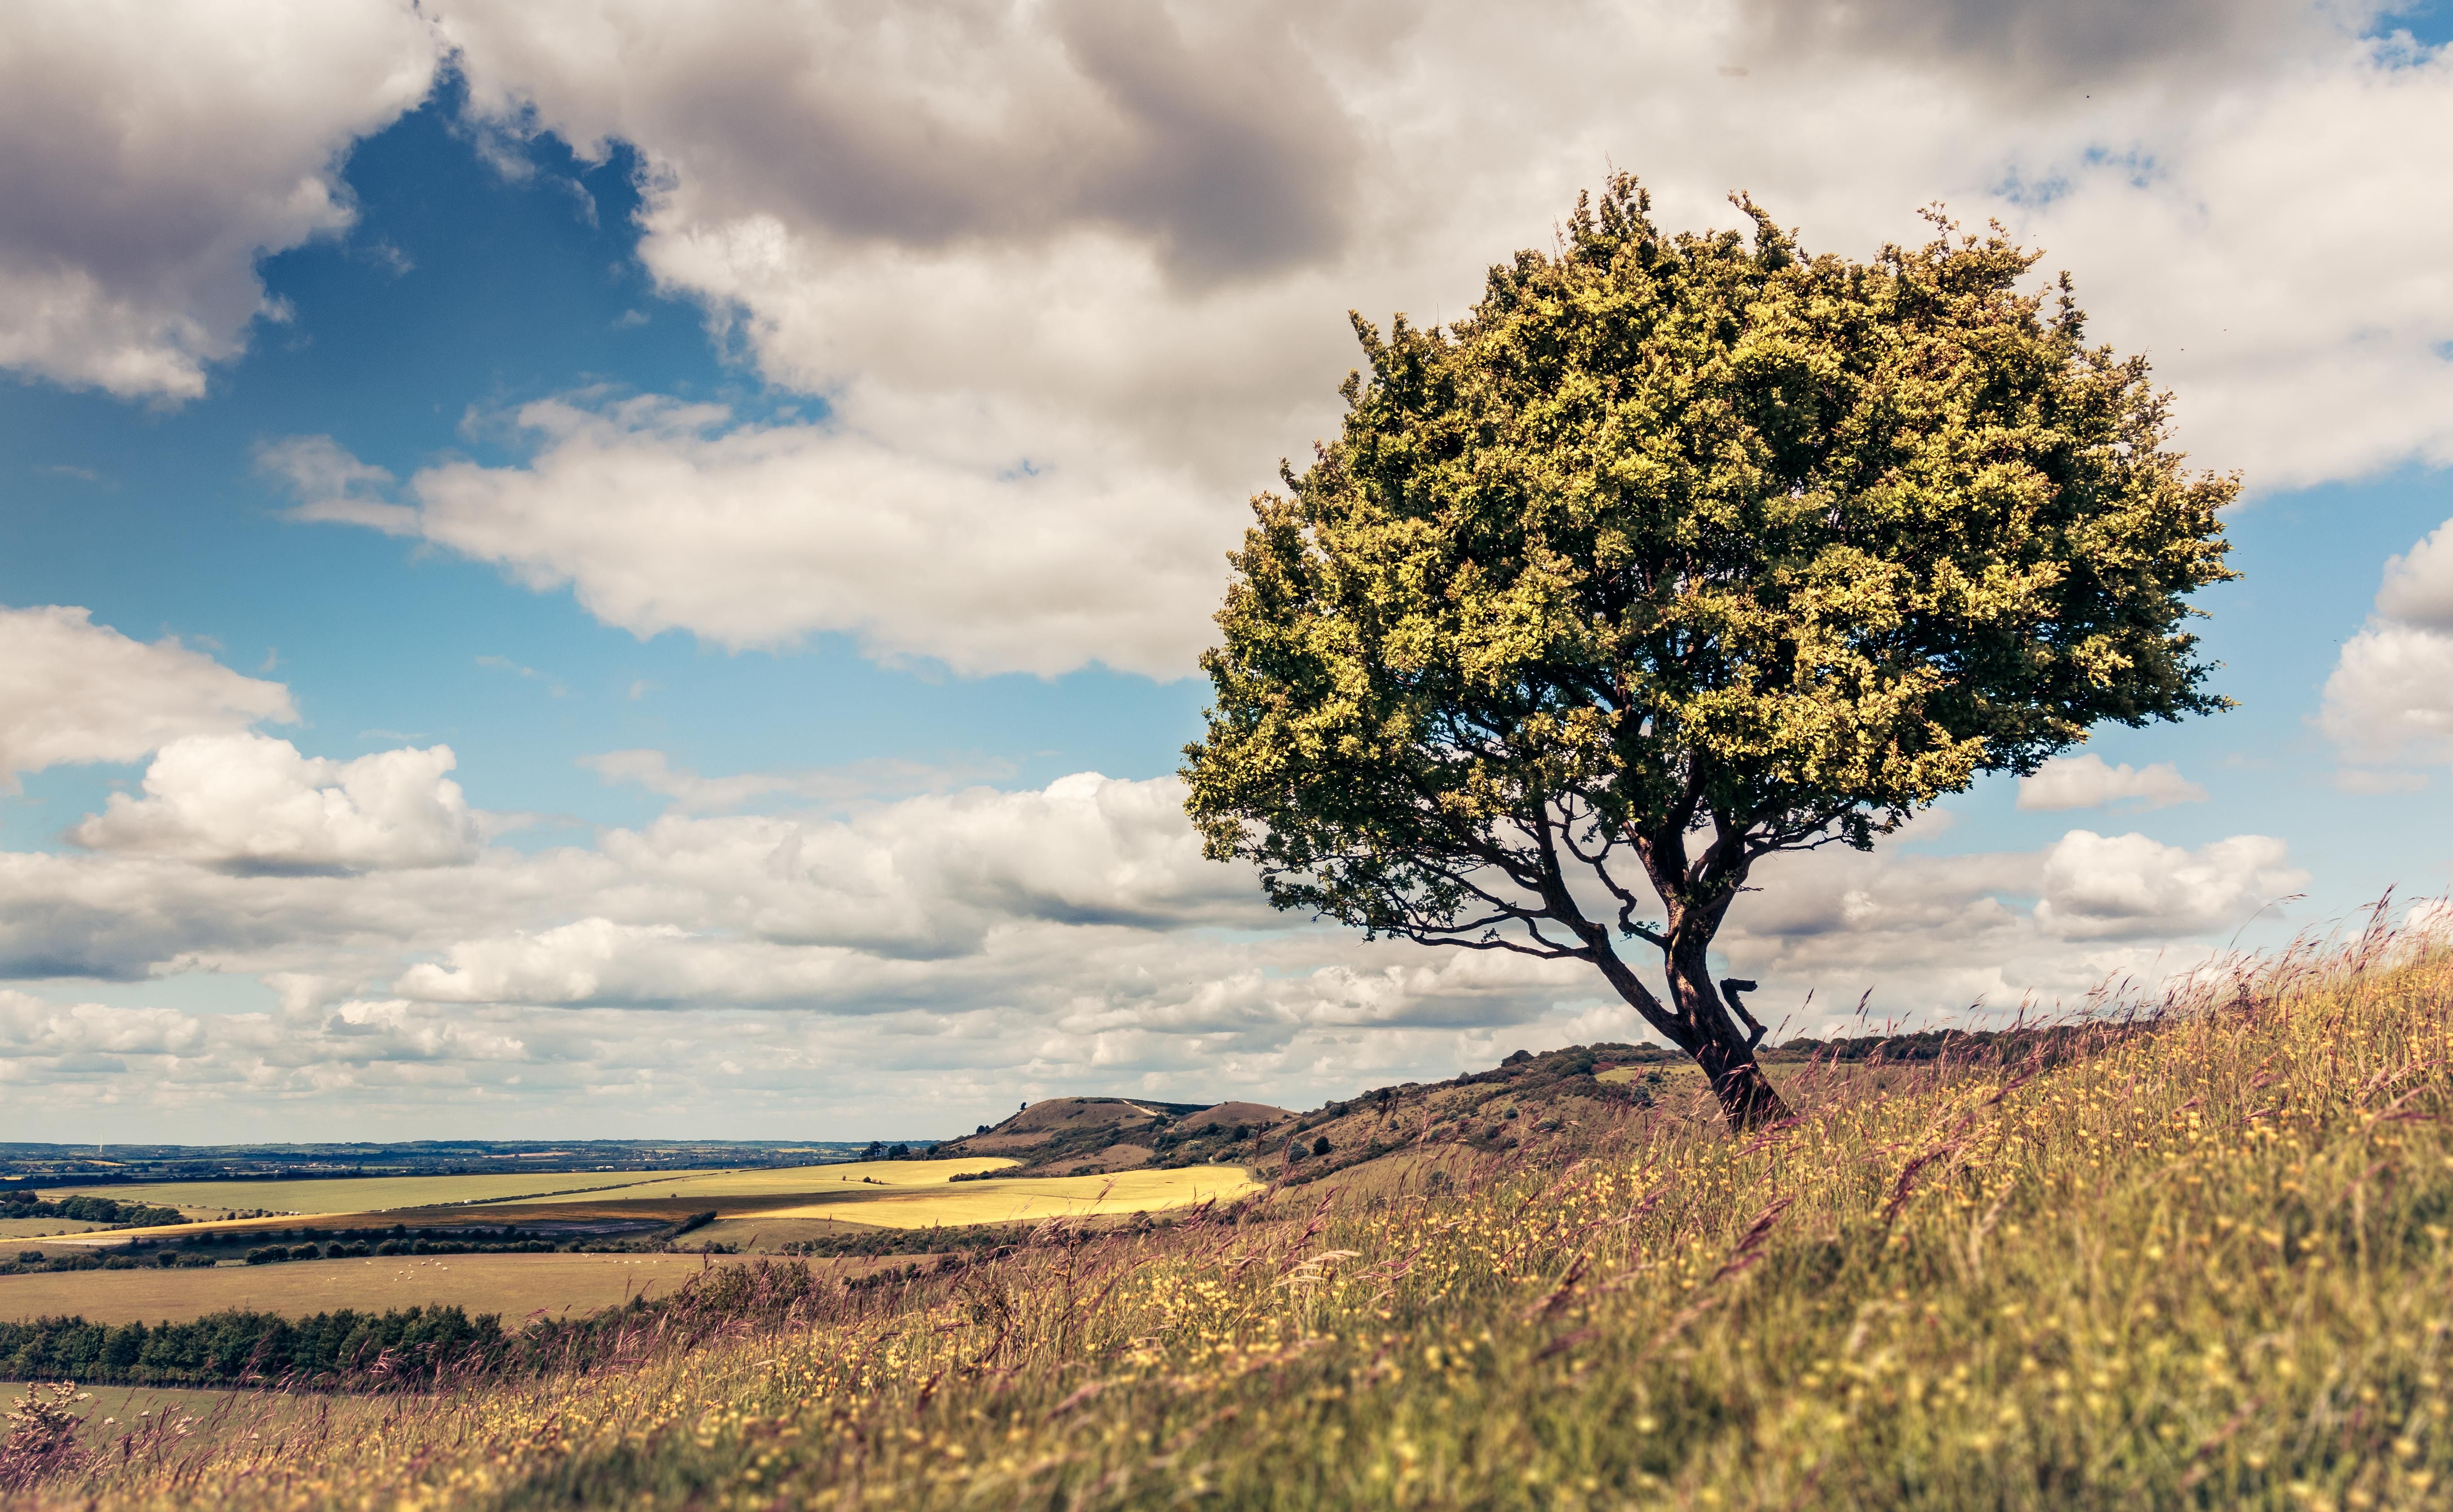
{"x": 778, "y": 482}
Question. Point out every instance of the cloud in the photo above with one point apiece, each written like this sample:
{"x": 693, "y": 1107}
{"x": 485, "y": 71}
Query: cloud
{"x": 2082, "y": 45}
{"x": 1071, "y": 280}
{"x": 1926, "y": 933}
{"x": 158, "y": 152}
{"x": 1216, "y": 138}
{"x": 30, "y": 1027}
{"x": 73, "y": 692}
{"x": 2085, "y": 782}
{"x": 663, "y": 516}
{"x": 250, "y": 803}
{"x": 2390, "y": 695}
{"x": 2128, "y": 886}
{"x": 331, "y": 485}
{"x": 971, "y": 943}
{"x": 692, "y": 793}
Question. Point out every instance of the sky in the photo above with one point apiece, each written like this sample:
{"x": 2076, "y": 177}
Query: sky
{"x": 600, "y": 570}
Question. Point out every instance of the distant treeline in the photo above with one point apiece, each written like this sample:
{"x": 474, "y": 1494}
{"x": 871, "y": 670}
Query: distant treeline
{"x": 2048, "y": 1044}
{"x": 423, "y": 1347}
{"x": 24, "y": 1203}
{"x": 237, "y": 1347}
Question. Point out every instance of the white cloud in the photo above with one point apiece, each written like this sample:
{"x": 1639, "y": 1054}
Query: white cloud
{"x": 253, "y": 803}
{"x": 331, "y": 485}
{"x": 158, "y": 152}
{"x": 2085, "y": 782}
{"x": 30, "y": 1027}
{"x": 2120, "y": 887}
{"x": 74, "y": 692}
{"x": 1071, "y": 280}
{"x": 2390, "y": 695}
{"x": 1930, "y": 933}
{"x": 667, "y": 516}
{"x": 972, "y": 943}
{"x": 881, "y": 776}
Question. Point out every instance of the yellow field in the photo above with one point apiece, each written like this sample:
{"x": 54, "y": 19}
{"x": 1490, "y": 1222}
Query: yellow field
{"x": 794, "y": 1180}
{"x": 513, "y": 1286}
{"x": 1027, "y": 1198}
{"x": 391, "y": 1194}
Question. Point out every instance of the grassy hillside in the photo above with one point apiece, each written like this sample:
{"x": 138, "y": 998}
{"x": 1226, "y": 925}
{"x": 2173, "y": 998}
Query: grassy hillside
{"x": 2199, "y": 1262}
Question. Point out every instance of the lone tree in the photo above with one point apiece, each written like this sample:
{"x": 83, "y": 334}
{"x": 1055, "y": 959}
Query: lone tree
{"x": 1677, "y": 552}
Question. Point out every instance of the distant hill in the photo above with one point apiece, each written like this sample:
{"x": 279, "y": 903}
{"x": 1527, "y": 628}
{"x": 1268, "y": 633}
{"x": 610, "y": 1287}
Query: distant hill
{"x": 1559, "y": 1096}
{"x": 1526, "y": 1095}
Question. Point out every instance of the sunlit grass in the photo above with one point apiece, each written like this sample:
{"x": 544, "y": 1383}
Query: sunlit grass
{"x": 2202, "y": 1264}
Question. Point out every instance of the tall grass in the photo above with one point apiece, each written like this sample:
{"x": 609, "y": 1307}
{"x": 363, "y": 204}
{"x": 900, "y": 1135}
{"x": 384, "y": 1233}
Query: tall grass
{"x": 2198, "y": 1260}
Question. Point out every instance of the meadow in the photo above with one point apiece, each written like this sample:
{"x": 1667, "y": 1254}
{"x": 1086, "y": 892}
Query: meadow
{"x": 2202, "y": 1257}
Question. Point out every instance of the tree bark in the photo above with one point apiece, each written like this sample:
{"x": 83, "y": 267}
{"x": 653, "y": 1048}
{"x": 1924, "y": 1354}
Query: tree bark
{"x": 1721, "y": 1047}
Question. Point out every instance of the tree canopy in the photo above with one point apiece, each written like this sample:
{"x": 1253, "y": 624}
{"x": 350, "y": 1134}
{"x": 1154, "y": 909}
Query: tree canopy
{"x": 1676, "y": 553}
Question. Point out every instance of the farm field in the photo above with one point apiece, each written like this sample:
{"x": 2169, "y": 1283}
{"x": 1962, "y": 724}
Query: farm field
{"x": 374, "y": 1194}
{"x": 513, "y": 1286}
{"x": 795, "y": 1179}
{"x": 1030, "y": 1199}
{"x": 14, "y": 1228}
{"x": 532, "y": 1198}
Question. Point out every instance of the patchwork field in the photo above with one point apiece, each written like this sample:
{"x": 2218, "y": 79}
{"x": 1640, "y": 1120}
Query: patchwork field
{"x": 515, "y": 1285}
{"x": 612, "y": 1197}
{"x": 374, "y": 1194}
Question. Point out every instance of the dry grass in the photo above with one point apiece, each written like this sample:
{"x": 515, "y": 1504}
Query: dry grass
{"x": 2208, "y": 1265}
{"x": 24, "y": 1228}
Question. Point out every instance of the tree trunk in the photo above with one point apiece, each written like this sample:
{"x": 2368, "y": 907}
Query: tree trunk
{"x": 1720, "y": 1046}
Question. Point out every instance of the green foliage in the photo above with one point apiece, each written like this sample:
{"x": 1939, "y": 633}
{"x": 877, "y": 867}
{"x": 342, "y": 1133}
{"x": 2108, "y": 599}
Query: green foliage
{"x": 23, "y": 1202}
{"x": 238, "y": 1346}
{"x": 1697, "y": 549}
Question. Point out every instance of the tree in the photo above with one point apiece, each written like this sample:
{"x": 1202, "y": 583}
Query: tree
{"x": 1676, "y": 553}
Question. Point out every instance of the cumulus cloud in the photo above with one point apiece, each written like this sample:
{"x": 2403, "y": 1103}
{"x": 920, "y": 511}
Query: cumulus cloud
{"x": 159, "y": 152}
{"x": 31, "y": 1027}
{"x": 250, "y": 803}
{"x": 2390, "y": 695}
{"x": 1070, "y": 280}
{"x": 74, "y": 692}
{"x": 2098, "y": 886}
{"x": 979, "y": 939}
{"x": 1922, "y": 932}
{"x": 664, "y": 516}
{"x": 2085, "y": 781}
